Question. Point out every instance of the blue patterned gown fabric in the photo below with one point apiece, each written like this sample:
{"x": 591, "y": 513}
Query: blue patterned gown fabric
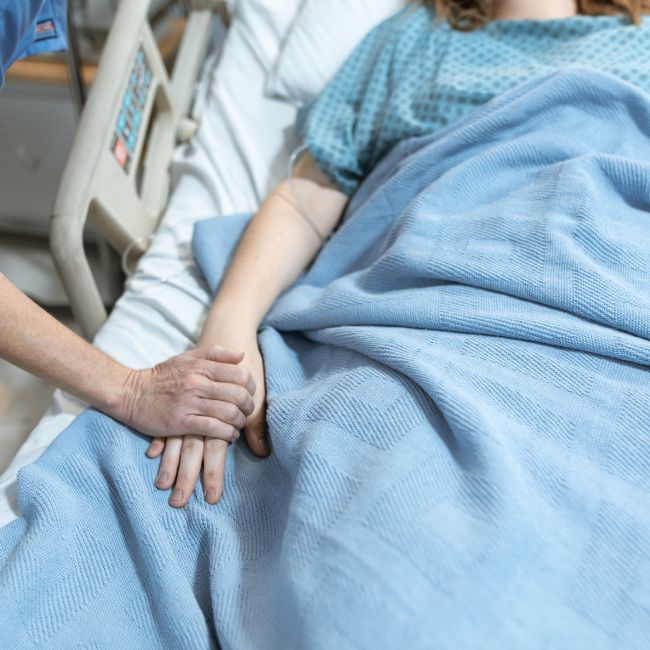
{"x": 412, "y": 76}
{"x": 459, "y": 408}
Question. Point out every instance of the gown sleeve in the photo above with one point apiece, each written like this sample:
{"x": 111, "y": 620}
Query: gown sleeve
{"x": 339, "y": 126}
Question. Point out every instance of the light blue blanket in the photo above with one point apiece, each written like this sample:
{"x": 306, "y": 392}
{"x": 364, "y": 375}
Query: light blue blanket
{"x": 459, "y": 407}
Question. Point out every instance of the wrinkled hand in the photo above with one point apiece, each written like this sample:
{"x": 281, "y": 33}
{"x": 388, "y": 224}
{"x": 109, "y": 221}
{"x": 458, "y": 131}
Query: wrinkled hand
{"x": 182, "y": 456}
{"x": 205, "y": 392}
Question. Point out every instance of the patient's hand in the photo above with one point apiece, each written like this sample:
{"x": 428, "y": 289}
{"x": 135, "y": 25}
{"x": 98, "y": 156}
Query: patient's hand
{"x": 279, "y": 243}
{"x": 204, "y": 392}
{"x": 183, "y": 456}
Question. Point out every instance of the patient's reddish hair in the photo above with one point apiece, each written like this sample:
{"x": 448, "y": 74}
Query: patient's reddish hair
{"x": 467, "y": 15}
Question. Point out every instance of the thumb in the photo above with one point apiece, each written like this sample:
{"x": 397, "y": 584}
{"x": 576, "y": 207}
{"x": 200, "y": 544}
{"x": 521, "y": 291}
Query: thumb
{"x": 255, "y": 432}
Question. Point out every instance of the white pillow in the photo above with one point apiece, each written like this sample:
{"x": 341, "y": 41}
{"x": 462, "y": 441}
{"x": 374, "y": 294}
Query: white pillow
{"x": 267, "y": 24}
{"x": 242, "y": 148}
{"x": 323, "y": 36}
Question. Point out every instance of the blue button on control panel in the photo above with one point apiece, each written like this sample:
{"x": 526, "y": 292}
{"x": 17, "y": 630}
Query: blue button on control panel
{"x": 129, "y": 119}
{"x": 121, "y": 122}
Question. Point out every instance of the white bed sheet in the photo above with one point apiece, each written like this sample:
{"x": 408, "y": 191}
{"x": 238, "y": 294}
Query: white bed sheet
{"x": 239, "y": 153}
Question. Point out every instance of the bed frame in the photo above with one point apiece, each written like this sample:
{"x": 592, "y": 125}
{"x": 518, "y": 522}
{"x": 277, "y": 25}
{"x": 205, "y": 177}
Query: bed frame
{"x": 118, "y": 171}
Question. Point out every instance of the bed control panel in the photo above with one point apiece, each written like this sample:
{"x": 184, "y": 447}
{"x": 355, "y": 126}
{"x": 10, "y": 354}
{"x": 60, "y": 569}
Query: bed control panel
{"x": 130, "y": 115}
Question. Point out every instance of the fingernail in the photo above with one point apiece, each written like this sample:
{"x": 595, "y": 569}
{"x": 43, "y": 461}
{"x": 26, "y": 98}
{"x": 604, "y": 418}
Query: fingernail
{"x": 177, "y": 496}
{"x": 162, "y": 478}
{"x": 210, "y": 494}
{"x": 263, "y": 445}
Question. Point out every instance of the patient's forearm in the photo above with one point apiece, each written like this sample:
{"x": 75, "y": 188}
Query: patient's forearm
{"x": 277, "y": 246}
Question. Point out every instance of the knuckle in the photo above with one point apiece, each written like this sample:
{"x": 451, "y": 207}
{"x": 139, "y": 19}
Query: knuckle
{"x": 241, "y": 395}
{"x": 169, "y": 467}
{"x": 184, "y": 480}
{"x": 190, "y": 444}
{"x": 213, "y": 445}
{"x": 170, "y": 457}
{"x": 189, "y": 382}
{"x": 181, "y": 421}
{"x": 211, "y": 476}
{"x": 172, "y": 420}
{"x": 241, "y": 376}
{"x": 230, "y": 411}
{"x": 211, "y": 369}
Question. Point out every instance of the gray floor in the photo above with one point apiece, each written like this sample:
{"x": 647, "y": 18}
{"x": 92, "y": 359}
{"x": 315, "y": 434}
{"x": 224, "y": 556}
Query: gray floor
{"x": 23, "y": 400}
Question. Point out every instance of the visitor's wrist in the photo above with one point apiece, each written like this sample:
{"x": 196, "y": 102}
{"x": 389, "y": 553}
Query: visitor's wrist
{"x": 115, "y": 391}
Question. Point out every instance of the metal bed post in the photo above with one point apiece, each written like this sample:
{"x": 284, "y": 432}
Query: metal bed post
{"x": 111, "y": 177}
{"x": 73, "y": 59}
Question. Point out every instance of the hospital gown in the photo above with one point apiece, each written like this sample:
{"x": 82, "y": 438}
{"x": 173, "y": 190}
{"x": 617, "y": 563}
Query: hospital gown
{"x": 411, "y": 76}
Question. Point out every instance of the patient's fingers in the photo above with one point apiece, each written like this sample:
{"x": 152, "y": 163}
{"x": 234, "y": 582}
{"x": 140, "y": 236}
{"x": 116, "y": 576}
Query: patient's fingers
{"x": 188, "y": 470}
{"x": 169, "y": 463}
{"x": 156, "y": 447}
{"x": 214, "y": 467}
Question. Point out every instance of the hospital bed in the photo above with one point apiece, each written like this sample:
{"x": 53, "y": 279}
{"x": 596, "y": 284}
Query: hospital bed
{"x": 219, "y": 132}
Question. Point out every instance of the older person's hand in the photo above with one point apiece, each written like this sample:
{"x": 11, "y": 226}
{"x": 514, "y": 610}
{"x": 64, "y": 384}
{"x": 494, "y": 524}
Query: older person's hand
{"x": 183, "y": 456}
{"x": 205, "y": 392}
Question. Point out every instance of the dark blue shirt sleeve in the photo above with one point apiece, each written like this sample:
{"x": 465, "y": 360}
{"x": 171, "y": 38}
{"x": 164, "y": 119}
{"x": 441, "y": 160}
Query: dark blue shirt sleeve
{"x": 29, "y": 27}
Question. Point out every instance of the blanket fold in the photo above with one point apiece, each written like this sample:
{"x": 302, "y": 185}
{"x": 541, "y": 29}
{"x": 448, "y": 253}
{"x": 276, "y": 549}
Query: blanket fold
{"x": 458, "y": 403}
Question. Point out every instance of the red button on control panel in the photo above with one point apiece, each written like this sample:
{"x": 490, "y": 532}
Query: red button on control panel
{"x": 121, "y": 153}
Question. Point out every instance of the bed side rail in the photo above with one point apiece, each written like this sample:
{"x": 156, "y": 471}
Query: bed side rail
{"x": 117, "y": 174}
